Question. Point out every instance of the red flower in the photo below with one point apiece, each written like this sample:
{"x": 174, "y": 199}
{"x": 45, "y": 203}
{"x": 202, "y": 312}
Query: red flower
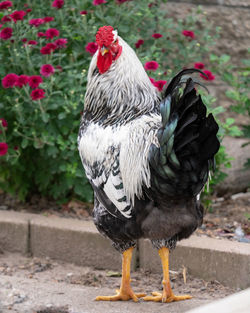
{"x": 157, "y": 35}
{"x": 98, "y": 2}
{"x": 151, "y": 66}
{"x": 24, "y": 40}
{"x": 48, "y": 49}
{"x": 40, "y": 34}
{"x": 58, "y": 4}
{"x": 139, "y": 43}
{"x": 91, "y": 48}
{"x": 199, "y": 65}
{"x": 59, "y": 68}
{"x": 9, "y": 80}
{"x": 37, "y": 94}
{"x": 152, "y": 80}
{"x": 28, "y": 10}
{"x": 16, "y": 148}
{"x": 35, "y": 81}
{"x": 188, "y": 33}
{"x": 47, "y": 70}
{"x": 5, "y": 5}
{"x": 121, "y": 1}
{"x": 61, "y": 43}
{"x": 48, "y": 19}
{"x": 159, "y": 84}
{"x": 36, "y": 22}
{"x": 17, "y": 15}
{"x": 1, "y": 25}
{"x": 22, "y": 80}
{"x": 4, "y": 122}
{"x": 51, "y": 33}
{"x": 6, "y": 19}
{"x": 3, "y": 148}
{"x": 32, "y": 42}
{"x": 6, "y": 33}
{"x": 84, "y": 12}
{"x": 209, "y": 76}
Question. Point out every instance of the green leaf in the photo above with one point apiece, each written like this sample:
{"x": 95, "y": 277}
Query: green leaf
{"x": 124, "y": 28}
{"x": 218, "y": 110}
{"x": 233, "y": 94}
{"x": 52, "y": 151}
{"x": 113, "y": 274}
{"x": 246, "y": 62}
{"x": 235, "y": 131}
{"x": 24, "y": 143}
{"x": 224, "y": 58}
{"x": 230, "y": 121}
{"x": 45, "y": 117}
{"x": 213, "y": 57}
{"x": 62, "y": 115}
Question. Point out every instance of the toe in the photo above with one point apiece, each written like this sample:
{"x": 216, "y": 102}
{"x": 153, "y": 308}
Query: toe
{"x": 153, "y": 298}
{"x": 107, "y": 298}
{"x": 140, "y": 295}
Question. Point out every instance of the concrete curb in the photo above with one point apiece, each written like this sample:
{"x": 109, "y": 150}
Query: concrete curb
{"x": 236, "y": 303}
{"x": 207, "y": 258}
{"x": 79, "y": 242}
{"x": 72, "y": 241}
{"x": 14, "y": 232}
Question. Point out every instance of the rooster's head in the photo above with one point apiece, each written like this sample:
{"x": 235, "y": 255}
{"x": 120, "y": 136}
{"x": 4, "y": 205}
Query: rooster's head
{"x": 109, "y": 49}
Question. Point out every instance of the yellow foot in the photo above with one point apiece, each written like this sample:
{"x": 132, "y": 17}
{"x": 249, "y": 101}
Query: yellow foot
{"x": 123, "y": 295}
{"x": 162, "y": 297}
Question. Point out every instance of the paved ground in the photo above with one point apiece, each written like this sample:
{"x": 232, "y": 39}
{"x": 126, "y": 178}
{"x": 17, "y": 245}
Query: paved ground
{"x": 78, "y": 299}
{"x": 32, "y": 285}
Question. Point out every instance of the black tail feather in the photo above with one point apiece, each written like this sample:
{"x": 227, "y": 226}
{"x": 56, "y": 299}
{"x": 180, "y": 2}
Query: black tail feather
{"x": 187, "y": 140}
{"x": 176, "y": 80}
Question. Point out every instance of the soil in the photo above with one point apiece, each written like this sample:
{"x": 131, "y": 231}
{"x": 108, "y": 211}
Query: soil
{"x": 228, "y": 217}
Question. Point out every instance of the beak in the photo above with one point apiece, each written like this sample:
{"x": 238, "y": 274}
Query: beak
{"x": 104, "y": 50}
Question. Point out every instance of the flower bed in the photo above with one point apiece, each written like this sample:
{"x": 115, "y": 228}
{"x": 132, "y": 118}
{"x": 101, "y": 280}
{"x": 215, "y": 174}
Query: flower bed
{"x": 47, "y": 48}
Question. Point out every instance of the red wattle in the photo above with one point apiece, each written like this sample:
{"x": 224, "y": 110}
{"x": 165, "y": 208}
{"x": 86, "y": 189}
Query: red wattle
{"x": 119, "y": 52}
{"x": 104, "y": 61}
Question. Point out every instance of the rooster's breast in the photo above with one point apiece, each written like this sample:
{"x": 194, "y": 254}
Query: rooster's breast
{"x": 97, "y": 143}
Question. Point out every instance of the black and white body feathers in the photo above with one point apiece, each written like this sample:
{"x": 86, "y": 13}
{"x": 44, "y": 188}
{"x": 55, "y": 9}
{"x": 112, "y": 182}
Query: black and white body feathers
{"x": 146, "y": 158}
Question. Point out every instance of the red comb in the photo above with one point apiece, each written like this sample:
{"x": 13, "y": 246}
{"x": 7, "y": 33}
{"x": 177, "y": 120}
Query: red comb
{"x": 105, "y": 36}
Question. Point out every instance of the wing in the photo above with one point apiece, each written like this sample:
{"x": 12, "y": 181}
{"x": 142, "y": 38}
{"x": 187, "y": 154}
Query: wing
{"x": 115, "y": 162}
{"x": 108, "y": 187}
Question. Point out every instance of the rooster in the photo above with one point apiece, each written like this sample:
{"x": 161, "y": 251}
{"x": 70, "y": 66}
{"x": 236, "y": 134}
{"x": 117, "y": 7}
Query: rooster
{"x": 146, "y": 156}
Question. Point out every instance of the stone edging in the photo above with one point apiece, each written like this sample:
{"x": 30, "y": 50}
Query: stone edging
{"x": 79, "y": 242}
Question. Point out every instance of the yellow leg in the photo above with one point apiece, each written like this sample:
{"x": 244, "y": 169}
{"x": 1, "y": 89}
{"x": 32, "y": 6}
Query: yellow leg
{"x": 125, "y": 292}
{"x": 167, "y": 295}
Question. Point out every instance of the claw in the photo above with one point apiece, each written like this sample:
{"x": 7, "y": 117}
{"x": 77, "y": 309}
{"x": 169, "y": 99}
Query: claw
{"x": 161, "y": 297}
{"x": 122, "y": 295}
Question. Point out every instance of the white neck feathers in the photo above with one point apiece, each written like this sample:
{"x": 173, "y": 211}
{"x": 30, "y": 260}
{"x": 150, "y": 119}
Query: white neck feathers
{"x": 123, "y": 87}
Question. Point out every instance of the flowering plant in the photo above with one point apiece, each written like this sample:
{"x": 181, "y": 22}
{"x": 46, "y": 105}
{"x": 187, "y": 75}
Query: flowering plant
{"x": 238, "y": 80}
{"x": 47, "y": 48}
